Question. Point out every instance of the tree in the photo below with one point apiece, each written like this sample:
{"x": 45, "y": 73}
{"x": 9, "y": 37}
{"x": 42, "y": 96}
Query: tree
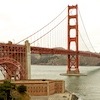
{"x": 9, "y": 91}
{"x": 22, "y": 90}
{"x": 2, "y": 96}
{"x": 5, "y": 90}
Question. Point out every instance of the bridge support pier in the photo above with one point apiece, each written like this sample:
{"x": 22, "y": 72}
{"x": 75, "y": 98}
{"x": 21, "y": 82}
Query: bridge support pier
{"x": 73, "y": 59}
{"x": 73, "y": 72}
{"x": 28, "y": 60}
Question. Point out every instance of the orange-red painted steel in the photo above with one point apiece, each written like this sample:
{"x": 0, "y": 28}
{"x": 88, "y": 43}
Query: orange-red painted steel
{"x": 12, "y": 61}
{"x": 73, "y": 60}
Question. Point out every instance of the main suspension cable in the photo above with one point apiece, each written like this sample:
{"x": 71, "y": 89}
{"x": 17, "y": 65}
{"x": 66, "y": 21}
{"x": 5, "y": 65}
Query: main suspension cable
{"x": 49, "y": 31}
{"x": 83, "y": 40}
{"x": 86, "y": 32}
{"x": 81, "y": 37}
{"x": 42, "y": 27}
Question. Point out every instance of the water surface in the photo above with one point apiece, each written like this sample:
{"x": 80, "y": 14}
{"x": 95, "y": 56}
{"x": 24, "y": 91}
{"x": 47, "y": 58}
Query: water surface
{"x": 87, "y": 87}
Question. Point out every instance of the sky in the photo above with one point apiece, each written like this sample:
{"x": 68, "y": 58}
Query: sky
{"x": 21, "y": 18}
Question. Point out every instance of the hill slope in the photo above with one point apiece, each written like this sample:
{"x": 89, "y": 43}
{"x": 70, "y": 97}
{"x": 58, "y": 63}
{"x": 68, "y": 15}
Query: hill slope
{"x": 55, "y": 59}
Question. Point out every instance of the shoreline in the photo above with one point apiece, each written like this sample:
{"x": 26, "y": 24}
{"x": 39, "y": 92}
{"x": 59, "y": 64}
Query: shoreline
{"x": 58, "y": 96}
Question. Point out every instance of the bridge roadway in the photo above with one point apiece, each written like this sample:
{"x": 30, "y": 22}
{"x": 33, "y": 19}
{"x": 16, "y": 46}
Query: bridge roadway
{"x": 13, "y": 55}
{"x": 13, "y": 48}
{"x": 41, "y": 50}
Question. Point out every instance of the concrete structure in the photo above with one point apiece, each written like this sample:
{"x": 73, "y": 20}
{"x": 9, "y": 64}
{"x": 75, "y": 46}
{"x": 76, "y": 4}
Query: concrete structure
{"x": 39, "y": 89}
{"x": 42, "y": 87}
{"x": 28, "y": 60}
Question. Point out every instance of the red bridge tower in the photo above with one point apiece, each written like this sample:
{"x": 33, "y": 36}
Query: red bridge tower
{"x": 73, "y": 59}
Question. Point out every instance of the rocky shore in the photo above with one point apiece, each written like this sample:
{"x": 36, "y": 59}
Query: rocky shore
{"x": 59, "y": 96}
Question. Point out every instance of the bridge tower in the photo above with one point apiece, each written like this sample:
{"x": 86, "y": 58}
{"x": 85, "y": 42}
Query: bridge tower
{"x": 73, "y": 59}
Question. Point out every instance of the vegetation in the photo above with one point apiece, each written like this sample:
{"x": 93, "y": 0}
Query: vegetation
{"x": 9, "y": 91}
{"x": 5, "y": 90}
{"x": 21, "y": 89}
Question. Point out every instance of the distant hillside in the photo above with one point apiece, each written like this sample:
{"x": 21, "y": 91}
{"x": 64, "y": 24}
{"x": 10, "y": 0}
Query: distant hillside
{"x": 56, "y": 59}
{"x": 49, "y": 59}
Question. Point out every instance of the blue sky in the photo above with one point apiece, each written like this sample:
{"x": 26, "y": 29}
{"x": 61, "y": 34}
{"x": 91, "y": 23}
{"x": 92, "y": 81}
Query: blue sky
{"x": 20, "y": 18}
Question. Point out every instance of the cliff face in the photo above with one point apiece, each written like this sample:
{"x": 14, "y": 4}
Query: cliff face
{"x": 62, "y": 60}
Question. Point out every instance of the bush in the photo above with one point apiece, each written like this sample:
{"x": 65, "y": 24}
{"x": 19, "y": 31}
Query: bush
{"x": 21, "y": 89}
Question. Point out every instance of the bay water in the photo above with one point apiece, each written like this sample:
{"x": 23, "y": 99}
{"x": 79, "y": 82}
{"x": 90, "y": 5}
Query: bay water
{"x": 86, "y": 87}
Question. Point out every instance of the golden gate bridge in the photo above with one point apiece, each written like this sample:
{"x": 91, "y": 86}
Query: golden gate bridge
{"x": 15, "y": 59}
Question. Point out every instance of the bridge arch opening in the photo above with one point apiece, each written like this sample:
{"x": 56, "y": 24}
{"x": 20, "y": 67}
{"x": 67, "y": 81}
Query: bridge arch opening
{"x": 9, "y": 68}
